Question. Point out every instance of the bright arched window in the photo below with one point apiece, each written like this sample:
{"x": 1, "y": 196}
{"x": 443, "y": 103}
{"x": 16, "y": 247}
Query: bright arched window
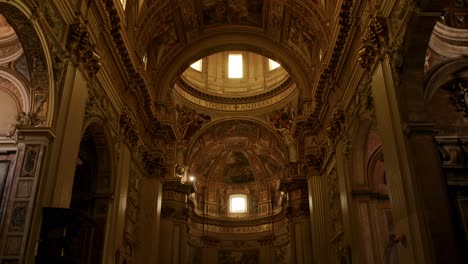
{"x": 198, "y": 65}
{"x": 273, "y": 64}
{"x": 238, "y": 203}
{"x": 235, "y": 66}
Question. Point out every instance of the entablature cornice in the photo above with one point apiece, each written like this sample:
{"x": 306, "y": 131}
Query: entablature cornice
{"x": 325, "y": 81}
{"x": 238, "y": 222}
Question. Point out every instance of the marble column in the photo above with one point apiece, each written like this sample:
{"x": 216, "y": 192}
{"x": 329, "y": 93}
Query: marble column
{"x": 319, "y": 218}
{"x": 147, "y": 250}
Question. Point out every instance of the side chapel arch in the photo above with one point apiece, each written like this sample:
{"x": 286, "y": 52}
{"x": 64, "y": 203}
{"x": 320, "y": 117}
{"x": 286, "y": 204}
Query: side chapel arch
{"x": 93, "y": 187}
{"x": 41, "y": 86}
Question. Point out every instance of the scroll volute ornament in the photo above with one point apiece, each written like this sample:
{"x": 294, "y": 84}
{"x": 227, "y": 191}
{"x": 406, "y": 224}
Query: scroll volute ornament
{"x": 81, "y": 50}
{"x": 459, "y": 92}
{"x": 336, "y": 125}
{"x": 128, "y": 129}
{"x": 152, "y": 162}
{"x": 315, "y": 158}
{"x": 372, "y": 44}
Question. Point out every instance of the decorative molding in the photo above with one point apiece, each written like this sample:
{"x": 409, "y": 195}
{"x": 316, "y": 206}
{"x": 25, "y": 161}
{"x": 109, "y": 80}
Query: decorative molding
{"x": 459, "y": 90}
{"x": 30, "y": 119}
{"x": 420, "y": 128}
{"x": 315, "y": 158}
{"x": 267, "y": 240}
{"x": 234, "y": 100}
{"x": 209, "y": 241}
{"x": 152, "y": 161}
{"x": 128, "y": 129}
{"x": 337, "y": 235}
{"x": 453, "y": 150}
{"x": 167, "y": 212}
{"x": 373, "y": 43}
{"x": 347, "y": 146}
{"x": 328, "y": 74}
{"x": 136, "y": 80}
{"x": 335, "y": 126}
{"x": 81, "y": 50}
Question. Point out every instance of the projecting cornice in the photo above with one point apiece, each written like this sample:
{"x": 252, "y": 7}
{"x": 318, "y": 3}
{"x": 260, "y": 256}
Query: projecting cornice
{"x": 136, "y": 82}
{"x": 326, "y": 78}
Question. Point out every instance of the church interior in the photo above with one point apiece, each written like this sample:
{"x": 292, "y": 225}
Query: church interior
{"x": 233, "y": 131}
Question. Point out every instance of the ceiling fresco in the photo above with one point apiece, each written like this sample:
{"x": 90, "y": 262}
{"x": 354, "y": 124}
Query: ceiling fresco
{"x": 237, "y": 169}
{"x": 189, "y": 121}
{"x": 282, "y": 120}
{"x": 236, "y": 152}
{"x": 244, "y": 12}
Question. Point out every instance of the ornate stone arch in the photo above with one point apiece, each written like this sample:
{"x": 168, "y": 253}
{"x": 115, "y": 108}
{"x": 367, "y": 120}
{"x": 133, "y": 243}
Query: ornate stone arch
{"x": 93, "y": 186}
{"x": 242, "y": 41}
{"x": 179, "y": 34}
{"x": 375, "y": 171}
{"x": 441, "y": 75}
{"x": 38, "y": 59}
{"x": 15, "y": 100}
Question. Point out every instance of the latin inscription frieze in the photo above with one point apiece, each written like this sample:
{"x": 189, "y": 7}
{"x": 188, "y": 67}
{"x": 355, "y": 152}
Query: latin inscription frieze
{"x": 235, "y": 107}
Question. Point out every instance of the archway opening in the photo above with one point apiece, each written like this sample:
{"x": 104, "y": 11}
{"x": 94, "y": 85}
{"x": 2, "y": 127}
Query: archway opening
{"x": 92, "y": 191}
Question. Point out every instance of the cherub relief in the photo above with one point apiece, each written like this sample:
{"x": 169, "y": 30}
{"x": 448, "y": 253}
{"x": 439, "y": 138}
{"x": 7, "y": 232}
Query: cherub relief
{"x": 282, "y": 120}
{"x": 31, "y": 119}
{"x": 189, "y": 121}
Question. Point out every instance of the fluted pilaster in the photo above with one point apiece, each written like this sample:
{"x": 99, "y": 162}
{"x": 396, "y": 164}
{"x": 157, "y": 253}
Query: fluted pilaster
{"x": 320, "y": 219}
{"x": 69, "y": 127}
{"x": 149, "y": 221}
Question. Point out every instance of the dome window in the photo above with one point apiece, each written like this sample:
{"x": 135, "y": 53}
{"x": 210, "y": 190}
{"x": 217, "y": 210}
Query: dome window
{"x": 238, "y": 203}
{"x": 273, "y": 64}
{"x": 198, "y": 66}
{"x": 235, "y": 70}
